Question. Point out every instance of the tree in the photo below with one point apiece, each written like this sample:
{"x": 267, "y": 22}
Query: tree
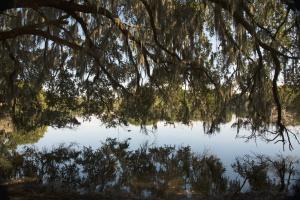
{"x": 109, "y": 51}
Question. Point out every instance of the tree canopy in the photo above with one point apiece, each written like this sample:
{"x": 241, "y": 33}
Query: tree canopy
{"x": 141, "y": 59}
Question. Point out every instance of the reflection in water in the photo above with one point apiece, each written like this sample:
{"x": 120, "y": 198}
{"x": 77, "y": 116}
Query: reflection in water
{"x": 158, "y": 172}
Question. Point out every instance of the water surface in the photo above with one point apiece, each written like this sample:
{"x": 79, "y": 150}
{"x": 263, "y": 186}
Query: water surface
{"x": 225, "y": 144}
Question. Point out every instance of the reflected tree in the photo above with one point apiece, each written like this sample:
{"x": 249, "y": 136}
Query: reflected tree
{"x": 254, "y": 171}
{"x": 162, "y": 172}
{"x": 284, "y": 168}
{"x": 208, "y": 176}
{"x": 257, "y": 169}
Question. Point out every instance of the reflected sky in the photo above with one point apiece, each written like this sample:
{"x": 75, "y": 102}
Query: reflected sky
{"x": 223, "y": 144}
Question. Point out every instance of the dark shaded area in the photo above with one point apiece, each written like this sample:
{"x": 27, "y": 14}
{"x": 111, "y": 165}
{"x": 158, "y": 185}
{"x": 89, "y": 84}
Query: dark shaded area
{"x": 3, "y": 193}
{"x": 6, "y": 4}
{"x": 293, "y": 4}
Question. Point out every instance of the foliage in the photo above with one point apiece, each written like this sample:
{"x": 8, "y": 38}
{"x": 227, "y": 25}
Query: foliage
{"x": 123, "y": 59}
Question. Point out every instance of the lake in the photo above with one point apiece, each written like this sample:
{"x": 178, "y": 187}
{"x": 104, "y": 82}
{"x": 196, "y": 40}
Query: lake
{"x": 225, "y": 144}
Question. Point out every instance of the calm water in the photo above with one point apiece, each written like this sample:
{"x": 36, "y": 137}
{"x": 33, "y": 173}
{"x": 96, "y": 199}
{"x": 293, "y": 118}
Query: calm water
{"x": 225, "y": 145}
